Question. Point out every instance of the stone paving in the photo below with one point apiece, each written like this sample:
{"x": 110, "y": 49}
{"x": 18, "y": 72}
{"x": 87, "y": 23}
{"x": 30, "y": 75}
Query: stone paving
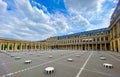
{"x": 83, "y": 64}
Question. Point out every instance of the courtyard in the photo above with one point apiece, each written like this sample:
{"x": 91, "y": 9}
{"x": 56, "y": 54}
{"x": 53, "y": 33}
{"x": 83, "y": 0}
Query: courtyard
{"x": 83, "y": 64}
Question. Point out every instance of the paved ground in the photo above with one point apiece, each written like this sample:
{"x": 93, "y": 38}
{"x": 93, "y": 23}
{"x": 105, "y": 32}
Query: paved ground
{"x": 88, "y": 64}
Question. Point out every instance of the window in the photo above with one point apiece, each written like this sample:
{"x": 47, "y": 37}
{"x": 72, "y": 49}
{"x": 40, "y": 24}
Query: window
{"x": 90, "y": 40}
{"x": 106, "y": 38}
{"x": 93, "y": 39}
{"x": 102, "y": 39}
{"x": 97, "y": 39}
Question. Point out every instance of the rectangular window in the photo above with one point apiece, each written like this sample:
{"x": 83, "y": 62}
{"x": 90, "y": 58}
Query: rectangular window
{"x": 97, "y": 39}
{"x": 93, "y": 39}
{"x": 106, "y": 38}
{"x": 102, "y": 39}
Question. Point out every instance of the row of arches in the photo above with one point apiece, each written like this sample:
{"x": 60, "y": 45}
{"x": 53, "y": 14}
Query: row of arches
{"x": 21, "y": 46}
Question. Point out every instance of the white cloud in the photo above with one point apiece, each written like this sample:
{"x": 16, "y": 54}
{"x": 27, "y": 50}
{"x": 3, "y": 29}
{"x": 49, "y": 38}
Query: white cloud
{"x": 89, "y": 5}
{"x": 99, "y": 5}
{"x": 30, "y": 23}
{"x": 60, "y": 23}
{"x": 3, "y": 7}
{"x": 27, "y": 22}
{"x": 90, "y": 14}
{"x": 79, "y": 20}
{"x": 114, "y": 1}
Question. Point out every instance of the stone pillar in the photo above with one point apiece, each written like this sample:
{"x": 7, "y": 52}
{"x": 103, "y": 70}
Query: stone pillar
{"x": 81, "y": 47}
{"x": 21, "y": 47}
{"x": 100, "y": 47}
{"x": 92, "y": 46}
{"x": 12, "y": 47}
{"x": 0, "y": 46}
{"x": 15, "y": 46}
{"x": 31, "y": 47}
{"x": 66, "y": 47}
{"x": 118, "y": 45}
{"x": 3, "y": 46}
{"x": 26, "y": 46}
{"x": 105, "y": 47}
{"x": 111, "y": 47}
{"x": 35, "y": 46}
{"x": 39, "y": 47}
{"x": 78, "y": 47}
{"x": 88, "y": 46}
{"x": 8, "y": 46}
{"x": 75, "y": 47}
{"x": 84, "y": 46}
{"x": 96, "y": 47}
{"x": 45, "y": 47}
{"x": 72, "y": 47}
{"x": 114, "y": 45}
{"x": 113, "y": 32}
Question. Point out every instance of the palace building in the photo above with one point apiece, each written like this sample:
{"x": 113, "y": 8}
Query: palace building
{"x": 100, "y": 39}
{"x": 89, "y": 40}
{"x": 20, "y": 45}
{"x": 115, "y": 29}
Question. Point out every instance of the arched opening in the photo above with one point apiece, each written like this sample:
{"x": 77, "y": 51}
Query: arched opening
{"x": 18, "y": 47}
{"x": 10, "y": 47}
{"x": 5, "y": 47}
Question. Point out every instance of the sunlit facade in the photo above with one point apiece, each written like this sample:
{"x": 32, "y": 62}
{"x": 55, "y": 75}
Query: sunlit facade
{"x": 20, "y": 45}
{"x": 115, "y": 29}
{"x": 89, "y": 40}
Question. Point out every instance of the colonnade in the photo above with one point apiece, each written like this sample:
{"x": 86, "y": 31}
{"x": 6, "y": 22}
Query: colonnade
{"x": 115, "y": 35}
{"x": 115, "y": 45}
{"x": 13, "y": 45}
{"x": 101, "y": 47}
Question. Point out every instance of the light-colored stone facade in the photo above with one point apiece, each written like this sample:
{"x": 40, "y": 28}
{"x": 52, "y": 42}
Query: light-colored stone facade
{"x": 20, "y": 45}
{"x": 89, "y": 40}
{"x": 115, "y": 29}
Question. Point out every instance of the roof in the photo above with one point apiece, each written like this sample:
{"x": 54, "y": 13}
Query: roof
{"x": 86, "y": 33}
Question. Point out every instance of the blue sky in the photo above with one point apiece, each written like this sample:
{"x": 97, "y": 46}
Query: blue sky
{"x": 41, "y": 19}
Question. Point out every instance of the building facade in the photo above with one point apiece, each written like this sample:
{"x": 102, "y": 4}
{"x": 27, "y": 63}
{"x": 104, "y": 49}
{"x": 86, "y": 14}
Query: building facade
{"x": 89, "y": 40}
{"x": 20, "y": 45}
{"x": 115, "y": 29}
{"x": 100, "y": 39}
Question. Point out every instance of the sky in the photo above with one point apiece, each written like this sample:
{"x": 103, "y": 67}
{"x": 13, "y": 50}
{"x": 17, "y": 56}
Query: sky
{"x": 40, "y": 19}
